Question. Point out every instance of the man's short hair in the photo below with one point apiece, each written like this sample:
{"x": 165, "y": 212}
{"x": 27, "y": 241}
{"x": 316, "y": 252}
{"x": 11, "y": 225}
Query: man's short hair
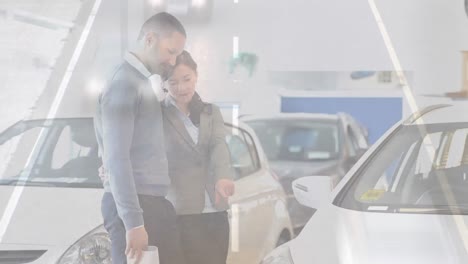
{"x": 163, "y": 24}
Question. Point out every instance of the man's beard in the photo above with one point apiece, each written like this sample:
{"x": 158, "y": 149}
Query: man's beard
{"x": 164, "y": 70}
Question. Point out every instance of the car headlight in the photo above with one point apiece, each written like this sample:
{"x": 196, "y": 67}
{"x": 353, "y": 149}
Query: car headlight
{"x": 93, "y": 248}
{"x": 281, "y": 255}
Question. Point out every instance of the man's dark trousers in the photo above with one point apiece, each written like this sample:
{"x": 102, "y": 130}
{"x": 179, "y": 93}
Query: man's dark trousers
{"x": 160, "y": 224}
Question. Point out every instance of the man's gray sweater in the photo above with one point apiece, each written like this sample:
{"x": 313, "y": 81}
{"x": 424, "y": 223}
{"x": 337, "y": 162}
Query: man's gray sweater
{"x": 129, "y": 130}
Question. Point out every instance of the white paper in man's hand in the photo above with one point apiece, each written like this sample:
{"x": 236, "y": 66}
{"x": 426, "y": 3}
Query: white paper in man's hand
{"x": 149, "y": 256}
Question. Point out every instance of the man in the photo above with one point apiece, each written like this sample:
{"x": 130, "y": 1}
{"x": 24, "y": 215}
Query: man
{"x": 130, "y": 136}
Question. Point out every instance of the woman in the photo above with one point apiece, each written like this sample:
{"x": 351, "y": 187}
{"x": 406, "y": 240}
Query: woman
{"x": 199, "y": 166}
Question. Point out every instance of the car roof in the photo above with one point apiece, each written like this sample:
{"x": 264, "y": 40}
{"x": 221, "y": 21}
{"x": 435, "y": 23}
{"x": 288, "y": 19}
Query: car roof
{"x": 292, "y": 116}
{"x": 441, "y": 114}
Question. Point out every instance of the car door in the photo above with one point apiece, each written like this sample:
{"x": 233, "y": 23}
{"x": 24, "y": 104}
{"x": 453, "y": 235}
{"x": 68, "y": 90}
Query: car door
{"x": 252, "y": 208}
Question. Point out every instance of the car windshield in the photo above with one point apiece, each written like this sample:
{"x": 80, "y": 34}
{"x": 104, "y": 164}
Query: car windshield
{"x": 419, "y": 169}
{"x": 297, "y": 140}
{"x": 58, "y": 153}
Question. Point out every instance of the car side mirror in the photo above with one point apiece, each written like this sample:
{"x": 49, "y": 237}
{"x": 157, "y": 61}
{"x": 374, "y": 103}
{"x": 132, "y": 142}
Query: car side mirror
{"x": 313, "y": 191}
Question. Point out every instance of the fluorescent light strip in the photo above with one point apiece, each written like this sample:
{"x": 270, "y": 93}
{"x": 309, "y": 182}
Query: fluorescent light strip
{"x": 38, "y": 20}
{"x": 18, "y": 190}
{"x": 235, "y": 47}
{"x": 393, "y": 56}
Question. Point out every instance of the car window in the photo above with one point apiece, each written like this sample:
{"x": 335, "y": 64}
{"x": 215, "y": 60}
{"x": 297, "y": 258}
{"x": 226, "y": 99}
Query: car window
{"x": 252, "y": 149}
{"x": 66, "y": 154}
{"x": 67, "y": 148}
{"x": 297, "y": 140}
{"x": 418, "y": 166}
{"x": 426, "y": 154}
{"x": 74, "y": 155}
{"x": 241, "y": 157}
{"x": 391, "y": 175}
{"x": 16, "y": 145}
{"x": 458, "y": 154}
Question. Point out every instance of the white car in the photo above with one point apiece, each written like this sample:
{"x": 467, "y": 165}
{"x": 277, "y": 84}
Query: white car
{"x": 405, "y": 201}
{"x": 50, "y": 196}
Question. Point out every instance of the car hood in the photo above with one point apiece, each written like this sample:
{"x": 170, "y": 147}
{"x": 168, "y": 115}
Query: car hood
{"x": 50, "y": 216}
{"x": 294, "y": 169}
{"x": 335, "y": 235}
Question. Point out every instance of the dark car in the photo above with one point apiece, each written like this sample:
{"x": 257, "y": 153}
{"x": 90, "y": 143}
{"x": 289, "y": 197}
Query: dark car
{"x": 299, "y": 145}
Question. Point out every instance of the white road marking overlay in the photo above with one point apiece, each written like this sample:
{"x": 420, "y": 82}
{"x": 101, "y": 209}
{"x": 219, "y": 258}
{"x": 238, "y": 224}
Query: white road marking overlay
{"x": 393, "y": 56}
{"x": 14, "y": 198}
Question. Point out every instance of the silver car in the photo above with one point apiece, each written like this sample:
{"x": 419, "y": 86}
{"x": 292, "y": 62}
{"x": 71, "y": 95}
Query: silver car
{"x": 304, "y": 144}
